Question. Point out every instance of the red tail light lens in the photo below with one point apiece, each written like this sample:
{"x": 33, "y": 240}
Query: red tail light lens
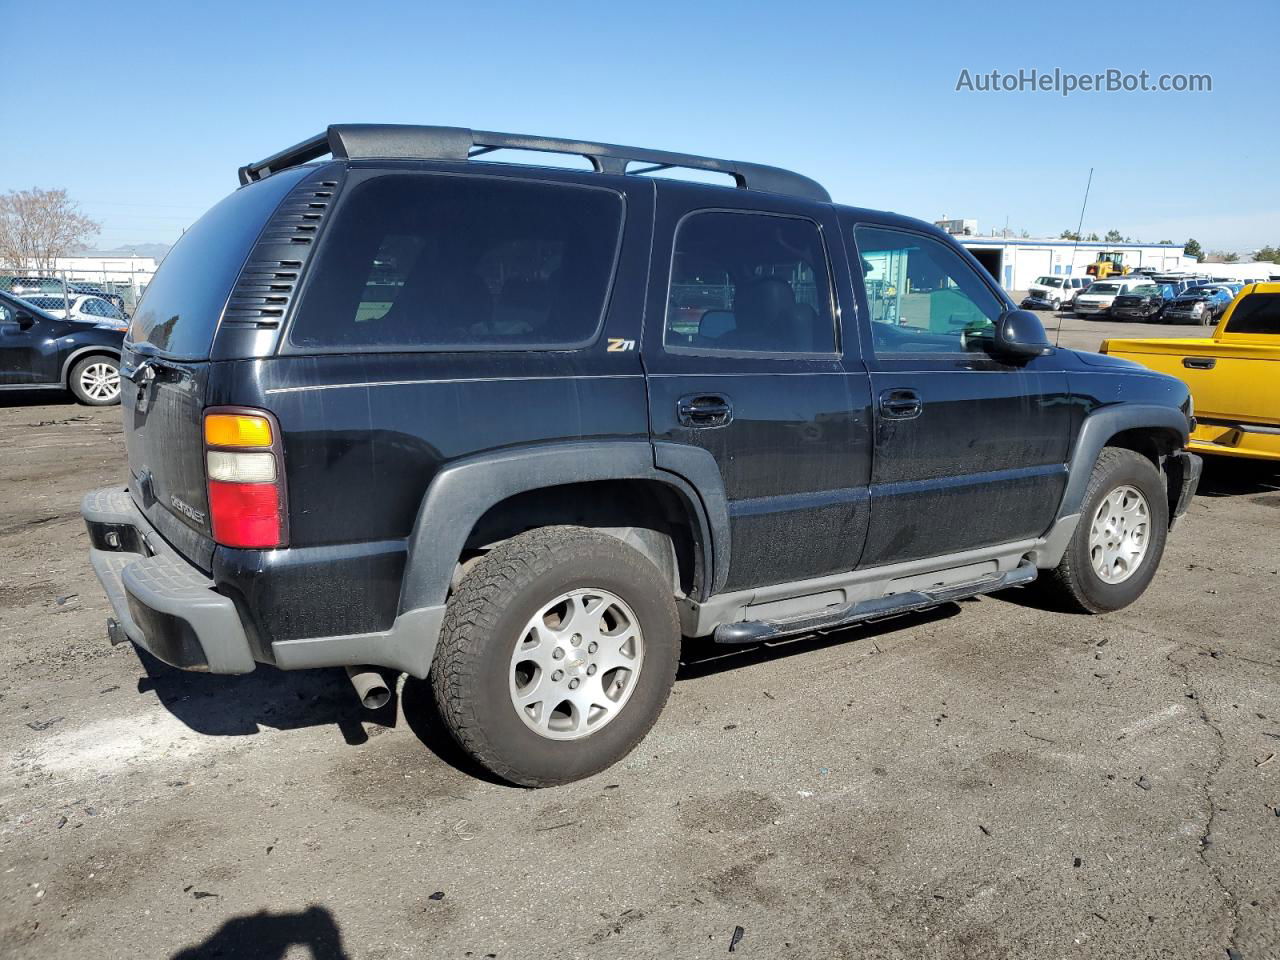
{"x": 245, "y": 514}
{"x": 244, "y": 466}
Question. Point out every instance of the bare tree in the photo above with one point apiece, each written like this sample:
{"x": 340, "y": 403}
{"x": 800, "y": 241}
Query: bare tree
{"x": 38, "y": 226}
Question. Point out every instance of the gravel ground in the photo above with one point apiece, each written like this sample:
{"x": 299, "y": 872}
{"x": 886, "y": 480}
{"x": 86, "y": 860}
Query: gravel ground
{"x": 988, "y": 780}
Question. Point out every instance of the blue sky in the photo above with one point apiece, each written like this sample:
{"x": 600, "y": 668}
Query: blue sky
{"x": 146, "y": 125}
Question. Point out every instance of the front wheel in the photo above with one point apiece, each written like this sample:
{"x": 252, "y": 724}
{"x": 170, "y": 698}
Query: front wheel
{"x": 95, "y": 381}
{"x": 558, "y": 651}
{"x": 1118, "y": 543}
{"x": 1055, "y": 304}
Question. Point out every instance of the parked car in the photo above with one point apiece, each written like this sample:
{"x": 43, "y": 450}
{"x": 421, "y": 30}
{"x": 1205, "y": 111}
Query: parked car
{"x": 1146, "y": 301}
{"x": 39, "y": 351}
{"x": 1054, "y": 293}
{"x": 38, "y": 286}
{"x": 1097, "y": 300}
{"x": 581, "y": 414}
{"x": 96, "y": 290}
{"x": 1203, "y": 304}
{"x": 1231, "y": 376}
{"x": 82, "y": 308}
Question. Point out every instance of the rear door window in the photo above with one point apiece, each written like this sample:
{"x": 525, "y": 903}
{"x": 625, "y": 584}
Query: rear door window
{"x": 180, "y": 310}
{"x": 415, "y": 261}
{"x": 750, "y": 283}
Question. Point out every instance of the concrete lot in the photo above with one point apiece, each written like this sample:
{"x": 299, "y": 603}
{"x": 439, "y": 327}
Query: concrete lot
{"x": 989, "y": 780}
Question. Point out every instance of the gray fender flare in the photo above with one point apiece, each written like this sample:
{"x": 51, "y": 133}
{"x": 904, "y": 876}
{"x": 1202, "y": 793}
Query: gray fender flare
{"x": 462, "y": 491}
{"x": 1099, "y": 427}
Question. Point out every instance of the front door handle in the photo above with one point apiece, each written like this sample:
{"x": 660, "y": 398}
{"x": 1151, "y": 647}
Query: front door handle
{"x": 1199, "y": 363}
{"x": 900, "y": 405}
{"x": 704, "y": 410}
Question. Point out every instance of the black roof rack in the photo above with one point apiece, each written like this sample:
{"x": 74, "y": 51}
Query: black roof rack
{"x": 360, "y": 141}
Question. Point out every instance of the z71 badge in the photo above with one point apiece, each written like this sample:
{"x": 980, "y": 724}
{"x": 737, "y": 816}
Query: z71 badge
{"x": 617, "y": 345}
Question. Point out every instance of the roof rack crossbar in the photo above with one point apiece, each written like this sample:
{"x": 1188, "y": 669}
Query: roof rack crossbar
{"x": 360, "y": 141}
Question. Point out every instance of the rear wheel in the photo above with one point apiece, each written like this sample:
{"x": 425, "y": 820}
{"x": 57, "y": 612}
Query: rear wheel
{"x": 95, "y": 380}
{"x": 557, "y": 654}
{"x": 1118, "y": 543}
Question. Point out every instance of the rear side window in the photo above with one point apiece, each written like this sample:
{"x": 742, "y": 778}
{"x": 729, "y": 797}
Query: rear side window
{"x": 179, "y": 312}
{"x": 444, "y": 262}
{"x": 1256, "y": 313}
{"x": 750, "y": 283}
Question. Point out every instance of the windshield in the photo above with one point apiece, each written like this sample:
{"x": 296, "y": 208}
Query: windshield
{"x": 1105, "y": 288}
{"x": 1145, "y": 290}
{"x": 1049, "y": 281}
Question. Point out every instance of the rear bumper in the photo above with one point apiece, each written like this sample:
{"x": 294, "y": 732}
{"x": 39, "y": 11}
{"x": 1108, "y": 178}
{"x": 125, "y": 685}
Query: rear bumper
{"x": 171, "y": 609}
{"x": 162, "y": 603}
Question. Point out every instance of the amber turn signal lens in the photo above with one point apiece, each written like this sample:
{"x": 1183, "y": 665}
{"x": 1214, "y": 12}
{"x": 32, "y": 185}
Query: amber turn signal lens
{"x": 236, "y": 430}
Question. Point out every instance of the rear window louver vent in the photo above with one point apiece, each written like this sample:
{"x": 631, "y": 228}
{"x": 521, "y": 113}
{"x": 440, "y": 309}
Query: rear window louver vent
{"x": 269, "y": 279}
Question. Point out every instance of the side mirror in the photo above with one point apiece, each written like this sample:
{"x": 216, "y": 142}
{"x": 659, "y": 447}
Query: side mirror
{"x": 1020, "y": 335}
{"x": 24, "y": 320}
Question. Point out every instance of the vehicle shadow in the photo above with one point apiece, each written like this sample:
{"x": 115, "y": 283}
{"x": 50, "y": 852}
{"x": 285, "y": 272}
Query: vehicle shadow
{"x": 236, "y": 706}
{"x": 704, "y": 657}
{"x": 272, "y": 936}
{"x": 1234, "y": 477}
{"x": 36, "y": 398}
{"x": 422, "y": 717}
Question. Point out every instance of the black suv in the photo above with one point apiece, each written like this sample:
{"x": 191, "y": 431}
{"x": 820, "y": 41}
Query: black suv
{"x": 521, "y": 428}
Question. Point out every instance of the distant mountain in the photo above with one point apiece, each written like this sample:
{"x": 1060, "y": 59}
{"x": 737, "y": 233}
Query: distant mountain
{"x": 157, "y": 250}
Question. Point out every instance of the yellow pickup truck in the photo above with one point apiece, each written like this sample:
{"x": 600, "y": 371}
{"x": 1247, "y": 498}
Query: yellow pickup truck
{"x": 1234, "y": 376}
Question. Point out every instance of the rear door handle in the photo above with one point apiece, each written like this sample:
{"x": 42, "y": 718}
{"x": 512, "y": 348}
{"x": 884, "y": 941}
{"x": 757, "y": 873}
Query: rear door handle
{"x": 704, "y": 410}
{"x": 900, "y": 405}
{"x": 1199, "y": 363}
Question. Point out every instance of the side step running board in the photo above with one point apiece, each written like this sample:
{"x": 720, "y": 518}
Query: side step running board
{"x": 757, "y": 631}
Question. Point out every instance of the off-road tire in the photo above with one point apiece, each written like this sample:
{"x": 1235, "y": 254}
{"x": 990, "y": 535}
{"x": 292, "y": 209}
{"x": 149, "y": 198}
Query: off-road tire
{"x": 77, "y": 372}
{"x": 1074, "y": 584}
{"x": 482, "y": 624}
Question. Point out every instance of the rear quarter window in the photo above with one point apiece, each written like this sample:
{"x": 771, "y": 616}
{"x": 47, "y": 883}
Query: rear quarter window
{"x": 433, "y": 261}
{"x": 179, "y": 312}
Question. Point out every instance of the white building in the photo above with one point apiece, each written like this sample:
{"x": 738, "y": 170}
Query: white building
{"x": 102, "y": 267}
{"x": 1243, "y": 272}
{"x": 1016, "y": 262}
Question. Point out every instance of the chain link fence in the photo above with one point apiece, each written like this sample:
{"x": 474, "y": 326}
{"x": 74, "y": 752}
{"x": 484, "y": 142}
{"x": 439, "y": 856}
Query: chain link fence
{"x": 88, "y": 294}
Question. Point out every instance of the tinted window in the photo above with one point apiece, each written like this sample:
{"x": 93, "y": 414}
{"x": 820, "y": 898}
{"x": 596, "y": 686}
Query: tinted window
{"x": 750, "y": 282}
{"x": 462, "y": 262}
{"x": 179, "y": 312}
{"x": 922, "y": 296}
{"x": 1256, "y": 313}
